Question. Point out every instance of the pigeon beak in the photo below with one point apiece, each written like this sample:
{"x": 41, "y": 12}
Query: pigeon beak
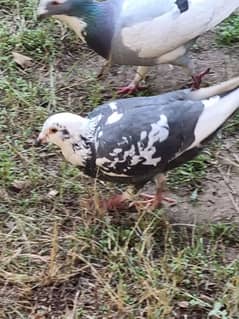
{"x": 41, "y": 14}
{"x": 40, "y": 140}
{"x": 37, "y": 143}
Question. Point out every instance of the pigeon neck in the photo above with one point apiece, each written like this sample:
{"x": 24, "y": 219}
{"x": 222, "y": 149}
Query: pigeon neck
{"x": 73, "y": 155}
{"x": 75, "y": 151}
{"x": 78, "y": 148}
{"x": 99, "y": 18}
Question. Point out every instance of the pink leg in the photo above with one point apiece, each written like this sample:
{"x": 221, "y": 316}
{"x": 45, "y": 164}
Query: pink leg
{"x": 131, "y": 89}
{"x": 197, "y": 79}
{"x": 160, "y": 196}
{"x": 153, "y": 201}
{"x": 117, "y": 202}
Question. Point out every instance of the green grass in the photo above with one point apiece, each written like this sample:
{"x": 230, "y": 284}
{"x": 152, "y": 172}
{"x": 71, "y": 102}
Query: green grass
{"x": 60, "y": 258}
{"x": 192, "y": 172}
{"x": 228, "y": 31}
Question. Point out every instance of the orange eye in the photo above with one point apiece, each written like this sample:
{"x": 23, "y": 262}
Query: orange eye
{"x": 53, "y": 130}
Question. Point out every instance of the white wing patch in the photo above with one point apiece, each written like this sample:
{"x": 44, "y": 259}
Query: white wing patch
{"x": 132, "y": 8}
{"x": 141, "y": 153}
{"x": 159, "y": 132}
{"x": 113, "y": 106}
{"x": 114, "y": 117}
{"x": 216, "y": 112}
{"x": 160, "y": 129}
{"x": 115, "y": 174}
{"x": 211, "y": 101}
{"x": 154, "y": 37}
{"x": 205, "y": 125}
{"x": 102, "y": 161}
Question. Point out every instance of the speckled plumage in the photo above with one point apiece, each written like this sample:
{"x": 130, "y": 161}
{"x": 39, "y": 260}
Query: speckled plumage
{"x": 144, "y": 137}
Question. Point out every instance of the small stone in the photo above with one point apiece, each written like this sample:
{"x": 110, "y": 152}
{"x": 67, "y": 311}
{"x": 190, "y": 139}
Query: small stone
{"x": 19, "y": 185}
{"x": 52, "y": 193}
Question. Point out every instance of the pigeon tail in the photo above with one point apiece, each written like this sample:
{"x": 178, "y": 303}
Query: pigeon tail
{"x": 217, "y": 110}
{"x": 217, "y": 89}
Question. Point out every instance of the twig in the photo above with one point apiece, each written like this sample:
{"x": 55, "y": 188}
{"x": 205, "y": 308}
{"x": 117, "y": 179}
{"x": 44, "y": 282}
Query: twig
{"x": 183, "y": 225}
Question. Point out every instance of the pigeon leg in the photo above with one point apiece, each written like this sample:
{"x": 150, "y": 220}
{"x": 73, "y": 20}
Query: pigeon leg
{"x": 197, "y": 79}
{"x": 104, "y": 70}
{"x": 118, "y": 202}
{"x": 135, "y": 86}
{"x": 155, "y": 201}
{"x": 187, "y": 63}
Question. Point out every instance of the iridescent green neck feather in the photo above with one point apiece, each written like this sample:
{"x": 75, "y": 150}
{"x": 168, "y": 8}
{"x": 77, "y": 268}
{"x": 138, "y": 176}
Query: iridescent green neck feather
{"x": 100, "y": 18}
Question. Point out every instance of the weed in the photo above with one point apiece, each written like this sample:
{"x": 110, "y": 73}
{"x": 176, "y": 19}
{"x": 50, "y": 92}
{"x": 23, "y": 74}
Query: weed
{"x": 228, "y": 31}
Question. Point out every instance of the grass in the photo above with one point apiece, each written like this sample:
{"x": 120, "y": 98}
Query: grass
{"x": 59, "y": 258}
{"x": 228, "y": 31}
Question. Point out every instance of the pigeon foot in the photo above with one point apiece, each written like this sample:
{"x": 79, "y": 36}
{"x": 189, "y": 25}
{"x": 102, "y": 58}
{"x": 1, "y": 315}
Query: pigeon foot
{"x": 197, "y": 79}
{"x": 115, "y": 203}
{"x": 153, "y": 201}
{"x": 131, "y": 89}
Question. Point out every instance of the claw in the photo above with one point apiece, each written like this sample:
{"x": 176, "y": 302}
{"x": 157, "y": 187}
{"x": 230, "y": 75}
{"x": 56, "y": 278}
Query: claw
{"x": 153, "y": 201}
{"x": 117, "y": 202}
{"x": 197, "y": 79}
{"x": 131, "y": 89}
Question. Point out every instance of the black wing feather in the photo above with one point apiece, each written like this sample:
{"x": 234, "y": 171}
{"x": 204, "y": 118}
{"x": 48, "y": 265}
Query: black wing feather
{"x": 114, "y": 141}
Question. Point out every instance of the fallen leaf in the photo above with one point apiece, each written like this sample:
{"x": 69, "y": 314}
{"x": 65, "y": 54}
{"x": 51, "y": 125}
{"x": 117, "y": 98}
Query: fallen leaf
{"x": 3, "y": 194}
{"x": 19, "y": 185}
{"x": 183, "y": 304}
{"x": 39, "y": 313}
{"x": 22, "y": 60}
{"x": 10, "y": 224}
{"x": 206, "y": 298}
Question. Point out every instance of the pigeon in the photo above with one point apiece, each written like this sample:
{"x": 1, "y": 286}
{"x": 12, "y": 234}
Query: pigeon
{"x": 136, "y": 140}
{"x": 141, "y": 33}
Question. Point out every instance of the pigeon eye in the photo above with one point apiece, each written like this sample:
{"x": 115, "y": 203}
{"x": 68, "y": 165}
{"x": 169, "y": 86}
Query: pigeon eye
{"x": 55, "y": 3}
{"x": 53, "y": 130}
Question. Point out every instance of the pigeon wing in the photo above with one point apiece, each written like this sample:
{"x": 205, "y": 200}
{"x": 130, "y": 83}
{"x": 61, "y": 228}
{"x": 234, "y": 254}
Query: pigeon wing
{"x": 138, "y": 143}
{"x": 147, "y": 30}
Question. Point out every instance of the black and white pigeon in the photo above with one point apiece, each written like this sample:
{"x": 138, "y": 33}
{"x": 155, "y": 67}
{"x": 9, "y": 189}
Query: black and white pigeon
{"x": 135, "y": 140}
{"x": 142, "y": 32}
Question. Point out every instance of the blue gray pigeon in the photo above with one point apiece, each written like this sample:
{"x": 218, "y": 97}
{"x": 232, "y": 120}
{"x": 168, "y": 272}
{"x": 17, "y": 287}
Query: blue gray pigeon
{"x": 135, "y": 140}
{"x": 141, "y": 32}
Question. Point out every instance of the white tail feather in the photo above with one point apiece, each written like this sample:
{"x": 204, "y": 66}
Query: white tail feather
{"x": 216, "y": 112}
{"x": 217, "y": 89}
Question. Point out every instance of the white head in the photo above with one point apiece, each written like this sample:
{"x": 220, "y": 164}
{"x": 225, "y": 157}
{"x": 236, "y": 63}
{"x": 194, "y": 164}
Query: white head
{"x": 62, "y": 128}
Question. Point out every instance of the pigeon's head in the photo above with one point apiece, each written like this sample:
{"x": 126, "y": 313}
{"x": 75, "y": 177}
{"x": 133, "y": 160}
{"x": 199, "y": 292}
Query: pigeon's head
{"x": 61, "y": 129}
{"x": 48, "y": 8}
